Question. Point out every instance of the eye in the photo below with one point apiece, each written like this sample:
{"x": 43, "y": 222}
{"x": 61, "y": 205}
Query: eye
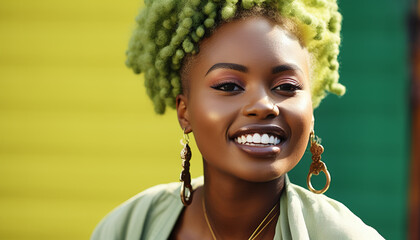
{"x": 287, "y": 87}
{"x": 228, "y": 87}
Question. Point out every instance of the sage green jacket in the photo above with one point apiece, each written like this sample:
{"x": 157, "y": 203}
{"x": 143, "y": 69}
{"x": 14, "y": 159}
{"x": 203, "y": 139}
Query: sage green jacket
{"x": 152, "y": 214}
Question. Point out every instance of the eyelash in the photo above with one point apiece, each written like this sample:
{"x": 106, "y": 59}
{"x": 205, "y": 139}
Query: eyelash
{"x": 291, "y": 87}
{"x": 234, "y": 87}
{"x": 223, "y": 87}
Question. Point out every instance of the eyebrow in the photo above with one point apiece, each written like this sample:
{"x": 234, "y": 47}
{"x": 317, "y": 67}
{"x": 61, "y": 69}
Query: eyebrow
{"x": 232, "y": 66}
{"x": 285, "y": 67}
{"x": 241, "y": 68}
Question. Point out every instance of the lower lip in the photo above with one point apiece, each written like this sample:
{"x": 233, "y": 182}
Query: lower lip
{"x": 260, "y": 151}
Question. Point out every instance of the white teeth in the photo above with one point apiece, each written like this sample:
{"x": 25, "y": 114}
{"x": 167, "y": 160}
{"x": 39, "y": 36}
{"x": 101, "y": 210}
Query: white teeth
{"x": 265, "y": 139}
{"x": 271, "y": 140}
{"x": 258, "y": 139}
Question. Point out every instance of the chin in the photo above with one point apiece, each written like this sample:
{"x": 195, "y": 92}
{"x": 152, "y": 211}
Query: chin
{"x": 263, "y": 174}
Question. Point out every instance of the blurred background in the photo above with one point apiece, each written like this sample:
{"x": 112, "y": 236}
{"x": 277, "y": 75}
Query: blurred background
{"x": 78, "y": 136}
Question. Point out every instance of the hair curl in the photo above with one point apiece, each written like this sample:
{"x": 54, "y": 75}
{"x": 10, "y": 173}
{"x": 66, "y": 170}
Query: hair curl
{"x": 169, "y": 30}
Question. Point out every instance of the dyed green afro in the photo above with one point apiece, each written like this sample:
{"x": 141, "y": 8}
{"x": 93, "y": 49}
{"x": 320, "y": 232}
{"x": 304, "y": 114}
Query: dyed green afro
{"x": 168, "y": 30}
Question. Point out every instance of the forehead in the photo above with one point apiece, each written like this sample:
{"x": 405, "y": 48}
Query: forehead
{"x": 252, "y": 42}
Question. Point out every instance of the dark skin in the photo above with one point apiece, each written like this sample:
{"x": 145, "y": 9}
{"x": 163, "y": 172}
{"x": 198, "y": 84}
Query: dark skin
{"x": 250, "y": 77}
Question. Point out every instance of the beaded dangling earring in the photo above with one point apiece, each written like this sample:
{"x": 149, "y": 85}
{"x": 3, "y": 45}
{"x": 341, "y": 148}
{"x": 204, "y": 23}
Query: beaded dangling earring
{"x": 317, "y": 165}
{"x": 185, "y": 178}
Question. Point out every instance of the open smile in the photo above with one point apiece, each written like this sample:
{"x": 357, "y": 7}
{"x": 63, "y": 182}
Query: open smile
{"x": 260, "y": 140}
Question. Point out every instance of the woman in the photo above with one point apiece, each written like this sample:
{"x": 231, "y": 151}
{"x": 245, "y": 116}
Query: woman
{"x": 244, "y": 77}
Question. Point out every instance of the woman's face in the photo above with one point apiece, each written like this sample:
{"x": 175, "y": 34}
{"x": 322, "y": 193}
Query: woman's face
{"x": 249, "y": 102}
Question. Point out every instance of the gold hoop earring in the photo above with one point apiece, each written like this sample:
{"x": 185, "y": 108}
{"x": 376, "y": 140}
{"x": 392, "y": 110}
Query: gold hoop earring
{"x": 317, "y": 165}
{"x": 186, "y": 188}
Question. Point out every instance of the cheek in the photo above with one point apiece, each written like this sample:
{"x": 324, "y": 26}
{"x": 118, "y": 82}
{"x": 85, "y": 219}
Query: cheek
{"x": 210, "y": 118}
{"x": 300, "y": 109}
{"x": 298, "y": 114}
{"x": 206, "y": 111}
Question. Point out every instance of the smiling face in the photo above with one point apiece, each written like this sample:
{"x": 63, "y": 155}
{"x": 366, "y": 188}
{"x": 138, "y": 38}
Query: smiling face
{"x": 248, "y": 100}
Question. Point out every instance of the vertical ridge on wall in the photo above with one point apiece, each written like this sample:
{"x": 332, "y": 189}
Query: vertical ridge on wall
{"x": 414, "y": 192}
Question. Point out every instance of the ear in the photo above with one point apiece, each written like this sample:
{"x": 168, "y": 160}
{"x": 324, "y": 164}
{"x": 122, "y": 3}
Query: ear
{"x": 182, "y": 112}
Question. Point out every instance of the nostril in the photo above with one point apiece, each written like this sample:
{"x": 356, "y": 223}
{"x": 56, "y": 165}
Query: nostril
{"x": 262, "y": 115}
{"x": 271, "y": 116}
{"x": 262, "y": 108}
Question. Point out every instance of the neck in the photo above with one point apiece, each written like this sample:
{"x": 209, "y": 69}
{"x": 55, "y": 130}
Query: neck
{"x": 236, "y": 207}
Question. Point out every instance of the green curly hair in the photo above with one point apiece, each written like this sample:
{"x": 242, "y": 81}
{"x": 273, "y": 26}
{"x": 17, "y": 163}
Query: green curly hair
{"x": 168, "y": 31}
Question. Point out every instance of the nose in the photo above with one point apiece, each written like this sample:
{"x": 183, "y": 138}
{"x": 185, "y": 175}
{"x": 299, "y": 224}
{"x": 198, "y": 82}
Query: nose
{"x": 262, "y": 108}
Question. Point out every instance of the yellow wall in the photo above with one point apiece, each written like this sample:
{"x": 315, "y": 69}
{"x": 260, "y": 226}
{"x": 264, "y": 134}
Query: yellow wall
{"x": 77, "y": 134}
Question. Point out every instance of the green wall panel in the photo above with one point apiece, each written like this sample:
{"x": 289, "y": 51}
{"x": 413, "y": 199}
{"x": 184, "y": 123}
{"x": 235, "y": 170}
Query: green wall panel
{"x": 365, "y": 133}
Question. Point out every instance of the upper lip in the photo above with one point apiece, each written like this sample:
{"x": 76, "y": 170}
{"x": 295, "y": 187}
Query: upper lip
{"x": 261, "y": 129}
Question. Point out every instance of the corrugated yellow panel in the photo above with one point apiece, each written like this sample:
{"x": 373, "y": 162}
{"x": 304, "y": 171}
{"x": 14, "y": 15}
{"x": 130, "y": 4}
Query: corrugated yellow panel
{"x": 77, "y": 134}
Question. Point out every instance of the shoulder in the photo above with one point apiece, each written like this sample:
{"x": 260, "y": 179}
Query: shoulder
{"x": 135, "y": 217}
{"x": 326, "y": 218}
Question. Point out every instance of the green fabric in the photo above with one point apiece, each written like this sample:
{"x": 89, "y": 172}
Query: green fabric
{"x": 153, "y": 213}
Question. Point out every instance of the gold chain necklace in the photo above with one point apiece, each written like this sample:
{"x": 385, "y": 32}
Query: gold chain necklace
{"x": 264, "y": 223}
